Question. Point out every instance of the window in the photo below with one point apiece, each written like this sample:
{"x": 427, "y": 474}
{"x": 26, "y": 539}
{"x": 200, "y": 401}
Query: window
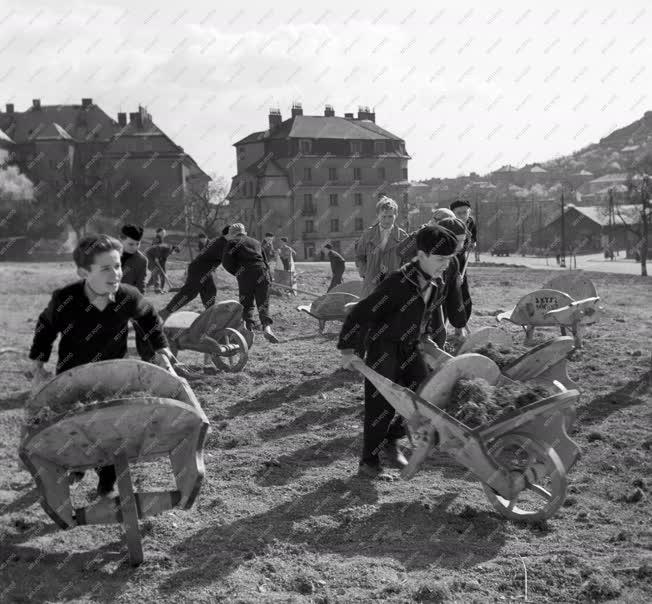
{"x": 241, "y": 152}
{"x": 307, "y": 174}
{"x": 358, "y": 199}
{"x": 309, "y": 250}
{"x": 379, "y": 147}
{"x": 308, "y": 208}
{"x": 310, "y": 226}
{"x": 405, "y": 176}
{"x": 359, "y": 224}
{"x": 356, "y": 147}
{"x": 333, "y": 199}
{"x": 251, "y": 189}
{"x": 381, "y": 173}
{"x": 332, "y": 173}
{"x": 335, "y": 225}
{"x": 306, "y": 146}
{"x": 357, "y": 174}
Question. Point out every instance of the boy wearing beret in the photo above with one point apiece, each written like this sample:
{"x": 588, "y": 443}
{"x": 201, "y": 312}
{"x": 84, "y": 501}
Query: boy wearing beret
{"x": 403, "y": 309}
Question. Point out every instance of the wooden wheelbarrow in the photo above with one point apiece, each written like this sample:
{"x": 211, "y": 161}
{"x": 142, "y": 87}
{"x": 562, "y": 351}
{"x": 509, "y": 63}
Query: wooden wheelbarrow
{"x": 522, "y": 459}
{"x": 550, "y": 307}
{"x": 331, "y": 306}
{"x": 114, "y": 413}
{"x": 544, "y": 364}
{"x": 218, "y": 332}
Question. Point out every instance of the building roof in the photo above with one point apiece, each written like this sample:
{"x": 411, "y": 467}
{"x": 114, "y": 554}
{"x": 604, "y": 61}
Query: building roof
{"x": 618, "y": 177}
{"x": 4, "y": 138}
{"x": 319, "y": 126}
{"x": 53, "y": 132}
{"x": 538, "y": 169}
{"x": 599, "y": 214}
{"x": 81, "y": 123}
{"x": 506, "y": 168}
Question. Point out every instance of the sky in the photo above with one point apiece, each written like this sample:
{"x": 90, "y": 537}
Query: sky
{"x": 470, "y": 86}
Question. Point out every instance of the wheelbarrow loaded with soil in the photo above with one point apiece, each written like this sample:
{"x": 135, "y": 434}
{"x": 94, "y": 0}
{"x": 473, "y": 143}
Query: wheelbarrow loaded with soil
{"x": 114, "y": 413}
{"x": 512, "y": 438}
{"x": 332, "y": 306}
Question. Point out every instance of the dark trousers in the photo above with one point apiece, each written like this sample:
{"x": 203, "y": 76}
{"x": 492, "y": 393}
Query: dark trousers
{"x": 286, "y": 264}
{"x": 199, "y": 281}
{"x": 253, "y": 286}
{"x": 335, "y": 280}
{"x": 156, "y": 278}
{"x": 466, "y": 298}
{"x": 403, "y": 365}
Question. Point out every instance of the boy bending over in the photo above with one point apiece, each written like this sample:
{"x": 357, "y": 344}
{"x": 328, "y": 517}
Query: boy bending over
{"x": 402, "y": 309}
{"x": 92, "y": 317}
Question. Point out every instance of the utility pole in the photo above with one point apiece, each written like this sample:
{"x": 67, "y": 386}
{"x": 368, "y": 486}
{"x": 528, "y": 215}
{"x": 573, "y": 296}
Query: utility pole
{"x": 562, "y": 255}
{"x": 610, "y": 241}
{"x": 477, "y": 230}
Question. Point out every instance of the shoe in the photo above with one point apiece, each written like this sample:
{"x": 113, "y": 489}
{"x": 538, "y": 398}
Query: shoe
{"x": 250, "y": 326}
{"x": 269, "y": 335}
{"x": 394, "y": 455}
{"x": 369, "y": 470}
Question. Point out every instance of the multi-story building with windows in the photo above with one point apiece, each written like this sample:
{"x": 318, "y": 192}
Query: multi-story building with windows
{"x": 316, "y": 179}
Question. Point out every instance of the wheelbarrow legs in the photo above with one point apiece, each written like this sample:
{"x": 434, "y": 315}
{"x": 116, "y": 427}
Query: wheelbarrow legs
{"x": 529, "y": 335}
{"x": 129, "y": 509}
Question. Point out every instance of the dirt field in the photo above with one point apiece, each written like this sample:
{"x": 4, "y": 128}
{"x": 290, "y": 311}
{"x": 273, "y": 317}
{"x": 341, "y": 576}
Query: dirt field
{"x": 281, "y": 516}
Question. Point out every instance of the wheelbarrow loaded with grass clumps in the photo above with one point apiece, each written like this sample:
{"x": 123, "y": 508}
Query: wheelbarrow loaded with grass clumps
{"x": 114, "y": 413}
{"x": 218, "y": 332}
{"x": 544, "y": 364}
{"x": 515, "y": 441}
{"x": 569, "y": 301}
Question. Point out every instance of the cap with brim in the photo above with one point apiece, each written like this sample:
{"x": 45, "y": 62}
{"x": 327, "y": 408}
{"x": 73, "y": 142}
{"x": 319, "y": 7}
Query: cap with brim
{"x": 132, "y": 231}
{"x": 460, "y": 203}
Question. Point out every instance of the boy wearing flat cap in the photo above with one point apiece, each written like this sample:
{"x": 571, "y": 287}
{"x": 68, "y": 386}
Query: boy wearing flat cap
{"x": 134, "y": 272}
{"x": 403, "y": 309}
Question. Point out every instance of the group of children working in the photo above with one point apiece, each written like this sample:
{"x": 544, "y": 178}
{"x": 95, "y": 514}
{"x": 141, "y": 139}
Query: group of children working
{"x": 388, "y": 325}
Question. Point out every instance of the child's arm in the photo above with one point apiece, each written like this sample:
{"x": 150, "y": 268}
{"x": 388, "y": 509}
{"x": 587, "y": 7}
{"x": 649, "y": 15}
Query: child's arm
{"x": 151, "y": 326}
{"x": 454, "y": 301}
{"x": 45, "y": 334}
{"x": 384, "y": 301}
{"x": 230, "y": 259}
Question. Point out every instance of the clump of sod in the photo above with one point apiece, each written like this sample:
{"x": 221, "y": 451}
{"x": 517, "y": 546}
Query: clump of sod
{"x": 503, "y": 357}
{"x": 475, "y": 402}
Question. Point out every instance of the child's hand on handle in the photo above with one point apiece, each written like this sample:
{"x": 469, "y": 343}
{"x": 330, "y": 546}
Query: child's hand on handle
{"x": 39, "y": 376}
{"x": 164, "y": 358}
{"x": 348, "y": 357}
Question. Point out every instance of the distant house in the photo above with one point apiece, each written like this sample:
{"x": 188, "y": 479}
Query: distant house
{"x": 317, "y": 178}
{"x": 585, "y": 229}
{"x": 128, "y": 160}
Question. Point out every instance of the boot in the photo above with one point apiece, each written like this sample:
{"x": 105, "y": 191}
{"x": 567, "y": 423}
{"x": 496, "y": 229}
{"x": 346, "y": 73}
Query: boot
{"x": 394, "y": 455}
{"x": 269, "y": 335}
{"x": 369, "y": 470}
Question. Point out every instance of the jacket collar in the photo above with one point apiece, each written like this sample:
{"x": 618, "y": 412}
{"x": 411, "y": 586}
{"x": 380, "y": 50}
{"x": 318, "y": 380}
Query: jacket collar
{"x": 411, "y": 272}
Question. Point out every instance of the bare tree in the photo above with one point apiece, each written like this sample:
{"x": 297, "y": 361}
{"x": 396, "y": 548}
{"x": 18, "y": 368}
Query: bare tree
{"x": 637, "y": 218}
{"x": 207, "y": 206}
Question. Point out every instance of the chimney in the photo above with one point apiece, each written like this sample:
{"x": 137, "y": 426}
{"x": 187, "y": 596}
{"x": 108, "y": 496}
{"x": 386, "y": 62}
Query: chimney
{"x": 329, "y": 111}
{"x": 296, "y": 109}
{"x": 349, "y": 116}
{"x": 86, "y": 103}
{"x": 36, "y": 103}
{"x": 136, "y": 119}
{"x": 122, "y": 119}
{"x": 10, "y": 107}
{"x": 274, "y": 118}
{"x": 365, "y": 114}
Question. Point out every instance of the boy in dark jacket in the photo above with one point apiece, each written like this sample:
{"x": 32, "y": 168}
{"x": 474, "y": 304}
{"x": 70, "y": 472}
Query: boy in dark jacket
{"x": 338, "y": 265}
{"x": 244, "y": 258}
{"x": 199, "y": 278}
{"x": 403, "y": 309}
{"x": 134, "y": 262}
{"x": 92, "y": 316}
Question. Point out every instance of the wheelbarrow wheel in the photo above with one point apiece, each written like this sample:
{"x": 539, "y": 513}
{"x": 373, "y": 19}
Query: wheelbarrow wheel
{"x": 236, "y": 360}
{"x": 543, "y": 470}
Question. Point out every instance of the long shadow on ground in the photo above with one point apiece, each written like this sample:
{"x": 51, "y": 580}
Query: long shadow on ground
{"x": 269, "y": 399}
{"x": 603, "y": 406}
{"x": 340, "y": 517}
{"x": 28, "y": 574}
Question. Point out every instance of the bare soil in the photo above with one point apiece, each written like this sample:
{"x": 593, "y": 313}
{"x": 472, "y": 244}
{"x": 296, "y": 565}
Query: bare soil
{"x": 282, "y": 517}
